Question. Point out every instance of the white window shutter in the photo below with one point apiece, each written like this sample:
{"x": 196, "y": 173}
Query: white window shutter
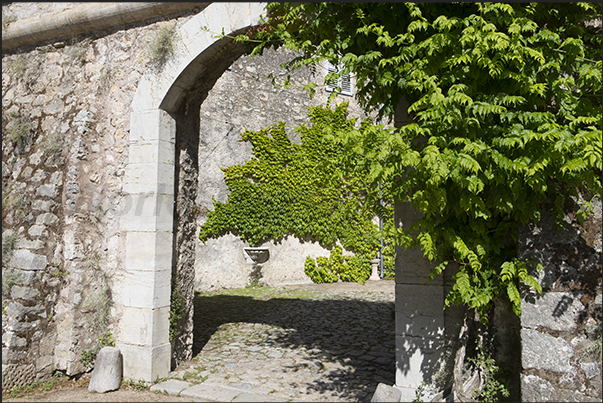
{"x": 344, "y": 81}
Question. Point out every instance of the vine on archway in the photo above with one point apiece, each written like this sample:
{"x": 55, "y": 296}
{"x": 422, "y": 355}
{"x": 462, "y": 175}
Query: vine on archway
{"x": 290, "y": 189}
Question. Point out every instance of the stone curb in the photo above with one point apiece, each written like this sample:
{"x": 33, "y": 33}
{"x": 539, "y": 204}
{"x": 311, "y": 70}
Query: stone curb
{"x": 213, "y": 393}
{"x": 171, "y": 387}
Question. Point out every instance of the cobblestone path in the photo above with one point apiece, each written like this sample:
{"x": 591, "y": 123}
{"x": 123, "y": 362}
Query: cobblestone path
{"x": 291, "y": 344}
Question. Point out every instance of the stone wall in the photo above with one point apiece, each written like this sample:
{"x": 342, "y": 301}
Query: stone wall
{"x": 559, "y": 335}
{"x": 65, "y": 119}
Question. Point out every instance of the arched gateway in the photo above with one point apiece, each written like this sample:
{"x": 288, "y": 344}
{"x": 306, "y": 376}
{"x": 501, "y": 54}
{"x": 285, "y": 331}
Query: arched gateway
{"x": 160, "y": 106}
{"x": 147, "y": 220}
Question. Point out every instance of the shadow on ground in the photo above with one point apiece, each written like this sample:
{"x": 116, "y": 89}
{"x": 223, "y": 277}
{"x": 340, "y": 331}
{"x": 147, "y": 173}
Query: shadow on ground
{"x": 358, "y": 332}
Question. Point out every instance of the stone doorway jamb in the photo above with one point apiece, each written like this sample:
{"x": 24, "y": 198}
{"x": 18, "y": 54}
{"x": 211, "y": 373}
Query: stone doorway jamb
{"x": 147, "y": 219}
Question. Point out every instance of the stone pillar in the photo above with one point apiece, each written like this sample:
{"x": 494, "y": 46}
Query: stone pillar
{"x": 147, "y": 221}
{"x": 420, "y": 321}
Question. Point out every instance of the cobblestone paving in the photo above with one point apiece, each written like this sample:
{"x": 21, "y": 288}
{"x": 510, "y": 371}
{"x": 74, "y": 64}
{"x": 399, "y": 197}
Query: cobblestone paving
{"x": 290, "y": 344}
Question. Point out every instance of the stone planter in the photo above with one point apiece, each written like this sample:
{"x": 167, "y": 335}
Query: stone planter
{"x": 375, "y": 270}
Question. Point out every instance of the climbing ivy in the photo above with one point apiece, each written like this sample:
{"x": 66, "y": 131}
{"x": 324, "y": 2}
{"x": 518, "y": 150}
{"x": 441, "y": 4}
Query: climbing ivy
{"x": 354, "y": 268}
{"x": 302, "y": 190}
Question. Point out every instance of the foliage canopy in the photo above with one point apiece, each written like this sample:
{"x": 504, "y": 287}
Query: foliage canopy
{"x": 506, "y": 108}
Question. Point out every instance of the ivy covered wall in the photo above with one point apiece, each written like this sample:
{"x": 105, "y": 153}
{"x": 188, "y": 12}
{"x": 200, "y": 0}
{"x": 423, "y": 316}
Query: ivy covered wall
{"x": 244, "y": 99}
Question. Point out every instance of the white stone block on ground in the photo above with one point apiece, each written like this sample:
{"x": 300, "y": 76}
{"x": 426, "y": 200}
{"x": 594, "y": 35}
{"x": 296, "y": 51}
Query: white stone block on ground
{"x": 386, "y": 393}
{"x": 107, "y": 372}
{"x": 172, "y": 387}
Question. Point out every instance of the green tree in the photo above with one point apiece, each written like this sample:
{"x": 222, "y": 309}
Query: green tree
{"x": 506, "y": 108}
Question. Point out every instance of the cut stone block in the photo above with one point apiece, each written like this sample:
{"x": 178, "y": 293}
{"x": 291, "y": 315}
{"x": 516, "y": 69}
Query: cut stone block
{"x": 148, "y": 251}
{"x": 386, "y": 393}
{"x": 147, "y": 289}
{"x": 146, "y": 363}
{"x": 162, "y": 152}
{"x": 152, "y": 125}
{"x": 145, "y": 327}
{"x": 418, "y": 359}
{"x": 108, "y": 371}
{"x": 149, "y": 212}
{"x": 149, "y": 178}
{"x": 419, "y": 310}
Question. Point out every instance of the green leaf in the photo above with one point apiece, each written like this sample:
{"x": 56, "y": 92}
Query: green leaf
{"x": 514, "y": 297}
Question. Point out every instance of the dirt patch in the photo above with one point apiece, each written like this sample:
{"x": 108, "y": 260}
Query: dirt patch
{"x": 80, "y": 393}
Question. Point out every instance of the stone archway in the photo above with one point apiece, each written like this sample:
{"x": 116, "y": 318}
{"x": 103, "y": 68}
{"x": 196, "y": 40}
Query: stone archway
{"x": 163, "y": 129}
{"x": 151, "y": 179}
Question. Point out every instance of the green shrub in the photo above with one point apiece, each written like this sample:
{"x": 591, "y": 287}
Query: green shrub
{"x": 77, "y": 51}
{"x": 9, "y": 241}
{"x": 177, "y": 311}
{"x": 319, "y": 273}
{"x": 593, "y": 346}
{"x": 99, "y": 304}
{"x": 139, "y": 385}
{"x": 357, "y": 269}
{"x": 161, "y": 46}
{"x": 57, "y": 380}
{"x": 9, "y": 279}
{"x": 493, "y": 390}
{"x": 88, "y": 356}
{"x": 18, "y": 66}
{"x": 18, "y": 131}
{"x": 104, "y": 340}
{"x": 336, "y": 267}
{"x": 51, "y": 144}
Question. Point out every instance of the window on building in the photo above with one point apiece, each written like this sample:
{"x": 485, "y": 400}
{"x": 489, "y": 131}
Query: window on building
{"x": 344, "y": 81}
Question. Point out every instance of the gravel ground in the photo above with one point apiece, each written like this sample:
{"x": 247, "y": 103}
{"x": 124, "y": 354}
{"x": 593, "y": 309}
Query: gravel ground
{"x": 327, "y": 342}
